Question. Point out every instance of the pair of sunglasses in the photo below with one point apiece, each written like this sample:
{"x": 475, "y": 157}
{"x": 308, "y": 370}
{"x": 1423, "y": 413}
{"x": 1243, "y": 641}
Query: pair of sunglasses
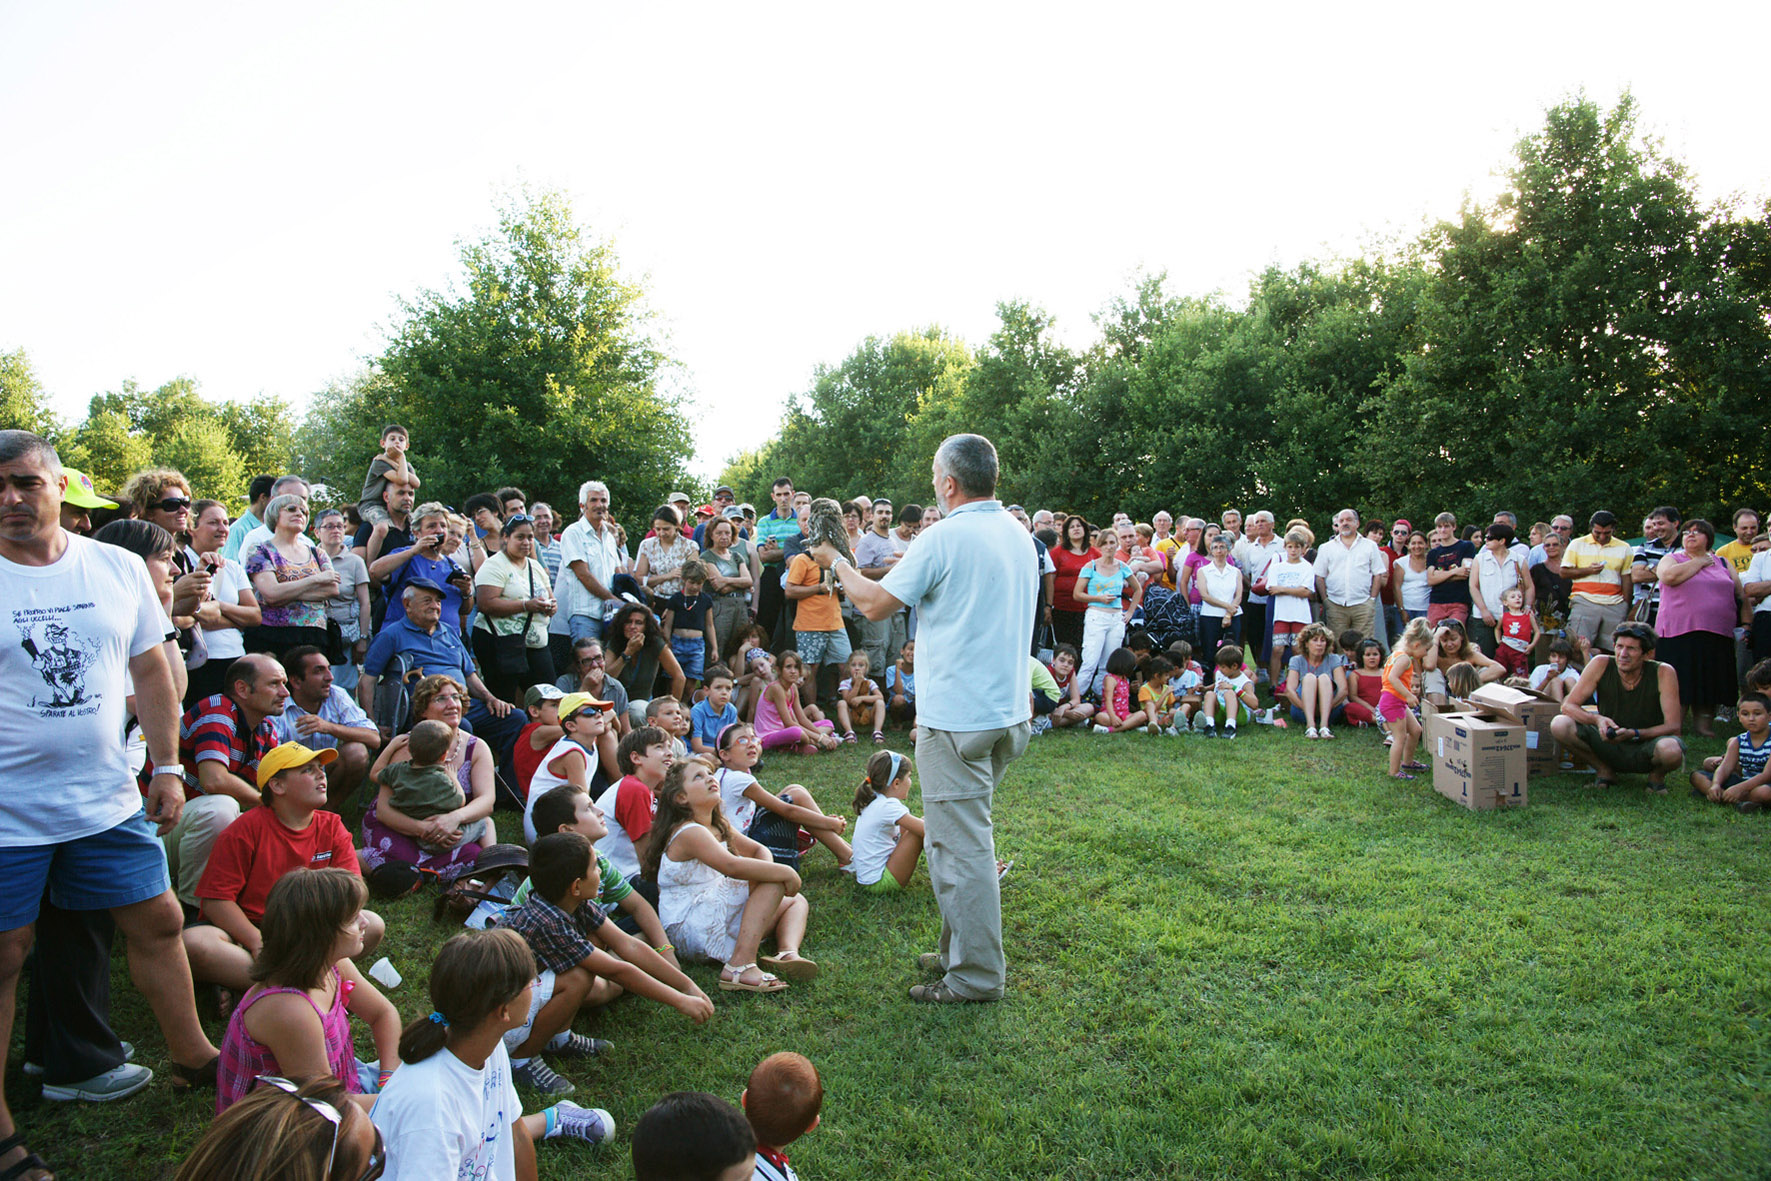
{"x": 172, "y": 504}
{"x": 377, "y": 1159}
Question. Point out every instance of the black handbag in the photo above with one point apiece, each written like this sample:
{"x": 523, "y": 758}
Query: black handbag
{"x": 510, "y": 654}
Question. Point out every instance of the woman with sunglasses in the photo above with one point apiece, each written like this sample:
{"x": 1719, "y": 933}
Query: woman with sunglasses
{"x": 289, "y": 1131}
{"x": 163, "y": 497}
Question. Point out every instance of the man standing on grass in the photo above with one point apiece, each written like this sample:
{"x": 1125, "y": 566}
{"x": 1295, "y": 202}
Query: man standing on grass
{"x": 81, "y": 628}
{"x": 972, "y": 582}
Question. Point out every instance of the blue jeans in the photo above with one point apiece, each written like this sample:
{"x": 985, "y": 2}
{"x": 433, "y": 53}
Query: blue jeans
{"x": 117, "y": 867}
{"x": 586, "y": 627}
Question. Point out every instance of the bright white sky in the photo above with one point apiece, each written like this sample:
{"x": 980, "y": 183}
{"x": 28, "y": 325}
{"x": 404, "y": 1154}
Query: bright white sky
{"x": 239, "y": 192}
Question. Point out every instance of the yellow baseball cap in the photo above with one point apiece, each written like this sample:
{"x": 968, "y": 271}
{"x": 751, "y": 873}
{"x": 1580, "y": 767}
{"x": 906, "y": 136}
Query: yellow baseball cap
{"x": 287, "y": 755}
{"x": 81, "y": 493}
{"x": 576, "y": 703}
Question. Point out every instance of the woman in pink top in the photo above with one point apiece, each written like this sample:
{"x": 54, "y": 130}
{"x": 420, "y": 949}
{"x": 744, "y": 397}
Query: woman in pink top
{"x": 295, "y": 1021}
{"x": 1700, "y": 602}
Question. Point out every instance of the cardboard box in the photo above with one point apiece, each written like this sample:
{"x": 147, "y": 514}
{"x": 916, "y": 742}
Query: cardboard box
{"x": 1529, "y": 709}
{"x": 1478, "y": 761}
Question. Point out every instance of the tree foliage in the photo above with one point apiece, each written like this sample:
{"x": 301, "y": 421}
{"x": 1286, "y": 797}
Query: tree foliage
{"x": 536, "y": 371}
{"x": 23, "y": 403}
{"x": 1592, "y": 338}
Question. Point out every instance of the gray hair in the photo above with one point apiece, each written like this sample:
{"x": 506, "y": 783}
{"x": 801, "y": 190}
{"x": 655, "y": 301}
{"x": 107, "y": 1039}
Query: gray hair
{"x": 406, "y": 595}
{"x": 1263, "y": 515}
{"x": 284, "y": 483}
{"x": 17, "y": 445}
{"x": 427, "y": 510}
{"x": 589, "y": 486}
{"x": 274, "y": 510}
{"x": 971, "y": 461}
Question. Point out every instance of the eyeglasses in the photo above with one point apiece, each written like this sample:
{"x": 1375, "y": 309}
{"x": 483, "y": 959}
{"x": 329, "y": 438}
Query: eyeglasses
{"x": 172, "y": 504}
{"x": 590, "y": 661}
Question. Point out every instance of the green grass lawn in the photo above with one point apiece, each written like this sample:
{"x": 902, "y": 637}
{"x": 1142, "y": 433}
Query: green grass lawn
{"x": 1251, "y": 959}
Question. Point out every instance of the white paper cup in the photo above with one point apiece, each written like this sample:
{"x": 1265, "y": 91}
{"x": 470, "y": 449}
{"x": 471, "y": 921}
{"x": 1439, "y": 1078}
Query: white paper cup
{"x": 384, "y": 973}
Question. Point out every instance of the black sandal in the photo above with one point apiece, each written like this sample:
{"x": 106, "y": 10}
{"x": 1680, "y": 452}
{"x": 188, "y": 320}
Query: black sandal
{"x": 25, "y": 1163}
{"x": 191, "y": 1078}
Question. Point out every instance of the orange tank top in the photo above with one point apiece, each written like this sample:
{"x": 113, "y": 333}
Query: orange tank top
{"x": 1399, "y": 674}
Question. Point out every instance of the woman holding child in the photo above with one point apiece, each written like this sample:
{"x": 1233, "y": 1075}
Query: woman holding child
{"x": 392, "y": 857}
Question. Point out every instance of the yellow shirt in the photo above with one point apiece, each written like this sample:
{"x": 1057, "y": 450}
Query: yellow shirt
{"x": 1157, "y": 697}
{"x": 1736, "y": 555}
{"x": 1604, "y": 589}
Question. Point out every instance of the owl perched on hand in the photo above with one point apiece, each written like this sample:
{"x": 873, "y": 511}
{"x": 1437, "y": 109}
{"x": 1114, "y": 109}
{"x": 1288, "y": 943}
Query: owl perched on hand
{"x": 824, "y": 523}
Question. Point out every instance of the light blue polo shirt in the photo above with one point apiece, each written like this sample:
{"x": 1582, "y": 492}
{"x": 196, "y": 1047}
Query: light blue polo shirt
{"x": 971, "y": 578}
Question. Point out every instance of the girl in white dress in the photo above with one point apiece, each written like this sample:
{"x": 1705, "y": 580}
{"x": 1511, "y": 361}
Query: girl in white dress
{"x": 719, "y": 892}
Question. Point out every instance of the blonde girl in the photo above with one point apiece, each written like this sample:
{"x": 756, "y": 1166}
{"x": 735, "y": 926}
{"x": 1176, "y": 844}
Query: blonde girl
{"x": 774, "y": 821}
{"x": 295, "y": 1020}
{"x": 1397, "y": 704}
{"x": 719, "y": 894}
{"x": 888, "y": 836}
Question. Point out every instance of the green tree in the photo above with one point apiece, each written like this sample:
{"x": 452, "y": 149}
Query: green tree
{"x": 23, "y": 404}
{"x": 849, "y": 433}
{"x": 1582, "y": 343}
{"x": 537, "y": 371}
{"x": 108, "y": 449}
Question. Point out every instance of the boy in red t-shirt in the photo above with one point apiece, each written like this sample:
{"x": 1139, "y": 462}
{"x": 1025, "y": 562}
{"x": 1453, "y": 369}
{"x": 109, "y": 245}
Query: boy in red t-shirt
{"x": 291, "y": 830}
{"x": 542, "y": 703}
{"x": 644, "y": 756}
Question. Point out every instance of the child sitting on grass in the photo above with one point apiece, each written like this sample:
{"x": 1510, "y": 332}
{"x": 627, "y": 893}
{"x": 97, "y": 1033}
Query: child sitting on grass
{"x": 712, "y": 713}
{"x": 1189, "y": 682}
{"x": 644, "y": 756}
{"x": 1758, "y": 680}
{"x": 1234, "y": 688}
{"x": 667, "y": 714}
{"x": 779, "y": 823}
{"x": 1116, "y": 714}
{"x": 781, "y": 721}
{"x": 452, "y": 1110}
{"x": 1744, "y": 776}
{"x": 424, "y": 788}
{"x": 585, "y": 960}
{"x": 900, "y": 683}
{"x": 577, "y": 757}
{"x": 1071, "y": 709}
{"x": 1157, "y": 696}
{"x": 888, "y": 837}
{"x": 1554, "y": 679}
{"x": 782, "y": 1101}
{"x": 1365, "y": 685}
{"x": 566, "y": 809}
{"x": 861, "y": 704}
{"x": 693, "y": 1135}
{"x": 719, "y": 894}
{"x": 295, "y": 1019}
{"x": 1397, "y": 704}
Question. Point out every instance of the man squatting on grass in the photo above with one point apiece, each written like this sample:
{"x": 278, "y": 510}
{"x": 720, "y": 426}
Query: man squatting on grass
{"x": 972, "y": 582}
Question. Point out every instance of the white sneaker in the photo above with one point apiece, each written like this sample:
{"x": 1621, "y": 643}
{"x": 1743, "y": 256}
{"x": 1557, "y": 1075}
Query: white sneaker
{"x": 1100, "y": 729}
{"x": 117, "y": 1083}
{"x": 35, "y": 1070}
{"x": 593, "y": 1125}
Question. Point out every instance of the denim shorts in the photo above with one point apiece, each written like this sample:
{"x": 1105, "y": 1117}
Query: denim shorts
{"x": 690, "y": 653}
{"x": 118, "y": 867}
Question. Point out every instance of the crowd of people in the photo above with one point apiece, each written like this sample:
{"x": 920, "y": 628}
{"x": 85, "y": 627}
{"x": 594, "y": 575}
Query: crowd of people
{"x": 206, "y": 696}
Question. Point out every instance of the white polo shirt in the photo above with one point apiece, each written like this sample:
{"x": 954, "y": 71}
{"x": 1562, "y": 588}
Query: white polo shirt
{"x": 972, "y": 581}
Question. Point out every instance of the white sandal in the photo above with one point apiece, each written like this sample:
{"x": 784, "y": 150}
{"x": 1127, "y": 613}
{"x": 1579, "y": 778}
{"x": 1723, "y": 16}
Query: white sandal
{"x": 736, "y": 983}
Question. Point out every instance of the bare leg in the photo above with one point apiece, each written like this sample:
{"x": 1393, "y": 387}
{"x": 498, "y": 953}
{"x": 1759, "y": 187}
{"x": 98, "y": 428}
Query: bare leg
{"x": 161, "y": 971}
{"x": 905, "y": 854}
{"x": 842, "y": 718}
{"x": 1562, "y": 729}
{"x": 216, "y": 959}
{"x": 374, "y": 929}
{"x": 759, "y": 920}
{"x": 790, "y": 924}
{"x": 830, "y": 840}
{"x": 14, "y": 945}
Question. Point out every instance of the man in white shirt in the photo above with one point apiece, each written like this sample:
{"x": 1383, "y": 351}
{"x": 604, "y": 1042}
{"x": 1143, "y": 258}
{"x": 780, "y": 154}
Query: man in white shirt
{"x": 589, "y": 557}
{"x": 86, "y": 630}
{"x": 972, "y": 581}
{"x": 1257, "y": 548}
{"x": 1350, "y": 576}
